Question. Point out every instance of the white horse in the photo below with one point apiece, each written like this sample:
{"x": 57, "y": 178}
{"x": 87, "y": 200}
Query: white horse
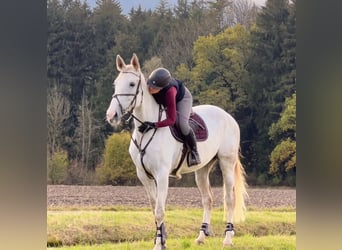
{"x": 156, "y": 153}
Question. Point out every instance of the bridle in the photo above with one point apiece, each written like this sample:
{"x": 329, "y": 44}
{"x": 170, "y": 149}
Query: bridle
{"x": 128, "y": 114}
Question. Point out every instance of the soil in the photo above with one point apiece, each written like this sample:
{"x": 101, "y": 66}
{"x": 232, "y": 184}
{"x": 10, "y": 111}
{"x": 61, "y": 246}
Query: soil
{"x": 61, "y": 196}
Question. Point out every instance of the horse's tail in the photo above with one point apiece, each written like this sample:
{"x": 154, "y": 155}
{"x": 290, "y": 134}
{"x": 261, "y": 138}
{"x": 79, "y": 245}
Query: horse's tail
{"x": 240, "y": 192}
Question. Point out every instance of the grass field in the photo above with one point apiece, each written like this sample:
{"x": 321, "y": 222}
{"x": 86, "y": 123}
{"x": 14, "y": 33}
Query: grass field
{"x": 131, "y": 228}
{"x": 214, "y": 243}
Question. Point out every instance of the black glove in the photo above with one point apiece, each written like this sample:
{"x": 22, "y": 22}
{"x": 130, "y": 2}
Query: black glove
{"x": 146, "y": 126}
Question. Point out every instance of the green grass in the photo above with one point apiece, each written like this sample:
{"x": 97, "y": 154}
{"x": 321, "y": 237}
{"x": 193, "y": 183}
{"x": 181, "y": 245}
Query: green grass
{"x": 272, "y": 242}
{"x": 129, "y": 228}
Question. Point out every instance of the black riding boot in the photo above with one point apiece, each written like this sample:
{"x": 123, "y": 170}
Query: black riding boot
{"x": 194, "y": 158}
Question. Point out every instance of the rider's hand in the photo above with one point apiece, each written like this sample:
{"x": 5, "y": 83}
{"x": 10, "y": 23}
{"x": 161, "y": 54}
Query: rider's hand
{"x": 146, "y": 126}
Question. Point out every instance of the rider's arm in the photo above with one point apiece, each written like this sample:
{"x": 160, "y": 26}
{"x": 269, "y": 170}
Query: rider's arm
{"x": 171, "y": 114}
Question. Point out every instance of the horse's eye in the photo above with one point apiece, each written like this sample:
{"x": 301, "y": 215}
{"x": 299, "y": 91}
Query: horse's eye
{"x": 132, "y": 84}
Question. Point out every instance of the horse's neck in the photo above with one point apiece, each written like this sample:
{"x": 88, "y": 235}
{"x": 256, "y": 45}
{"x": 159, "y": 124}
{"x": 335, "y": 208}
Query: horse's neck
{"x": 148, "y": 110}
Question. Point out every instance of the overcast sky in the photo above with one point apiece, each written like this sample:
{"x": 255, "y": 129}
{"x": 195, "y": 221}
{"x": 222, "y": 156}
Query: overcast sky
{"x": 148, "y": 4}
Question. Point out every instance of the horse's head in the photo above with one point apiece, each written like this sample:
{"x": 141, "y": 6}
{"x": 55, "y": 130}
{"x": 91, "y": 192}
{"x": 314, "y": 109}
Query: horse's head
{"x": 128, "y": 91}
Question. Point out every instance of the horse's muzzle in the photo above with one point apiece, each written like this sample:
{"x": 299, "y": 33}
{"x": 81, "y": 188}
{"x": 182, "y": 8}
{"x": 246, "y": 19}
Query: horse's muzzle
{"x": 113, "y": 119}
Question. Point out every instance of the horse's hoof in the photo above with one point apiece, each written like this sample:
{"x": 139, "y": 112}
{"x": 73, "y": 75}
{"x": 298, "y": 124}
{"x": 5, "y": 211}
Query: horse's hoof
{"x": 227, "y": 244}
{"x": 199, "y": 242}
{"x": 200, "y": 239}
{"x": 159, "y": 247}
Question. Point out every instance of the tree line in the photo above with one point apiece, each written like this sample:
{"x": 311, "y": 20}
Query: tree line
{"x": 232, "y": 54}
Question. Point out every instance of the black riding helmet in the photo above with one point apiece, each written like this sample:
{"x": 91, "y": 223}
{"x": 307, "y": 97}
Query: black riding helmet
{"x": 159, "y": 78}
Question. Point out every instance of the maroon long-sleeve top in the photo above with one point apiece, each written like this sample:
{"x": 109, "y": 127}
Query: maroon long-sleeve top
{"x": 170, "y": 105}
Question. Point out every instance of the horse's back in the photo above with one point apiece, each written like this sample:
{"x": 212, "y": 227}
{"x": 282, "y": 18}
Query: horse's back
{"x": 223, "y": 130}
{"x": 215, "y": 116}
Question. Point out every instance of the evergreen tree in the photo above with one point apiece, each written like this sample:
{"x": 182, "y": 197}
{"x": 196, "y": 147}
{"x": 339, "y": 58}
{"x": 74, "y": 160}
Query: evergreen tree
{"x": 268, "y": 67}
{"x": 288, "y": 55}
{"x": 182, "y": 10}
{"x": 220, "y": 14}
{"x": 162, "y": 23}
{"x": 70, "y": 58}
{"x": 107, "y": 22}
{"x": 79, "y": 61}
{"x": 141, "y": 33}
{"x": 55, "y": 43}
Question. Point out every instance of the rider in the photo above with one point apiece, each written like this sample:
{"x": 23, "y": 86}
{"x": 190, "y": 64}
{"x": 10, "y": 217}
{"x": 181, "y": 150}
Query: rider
{"x": 175, "y": 97}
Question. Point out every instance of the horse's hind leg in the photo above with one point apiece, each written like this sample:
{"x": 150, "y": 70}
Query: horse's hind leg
{"x": 227, "y": 165}
{"x": 203, "y": 184}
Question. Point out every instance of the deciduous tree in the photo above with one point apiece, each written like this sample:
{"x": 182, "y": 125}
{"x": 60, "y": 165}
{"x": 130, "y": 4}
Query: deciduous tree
{"x": 58, "y": 110}
{"x": 117, "y": 168}
{"x": 283, "y": 156}
{"x": 220, "y": 73}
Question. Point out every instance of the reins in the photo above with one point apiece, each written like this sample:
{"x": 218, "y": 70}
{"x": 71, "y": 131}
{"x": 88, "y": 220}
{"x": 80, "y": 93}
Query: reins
{"x": 128, "y": 114}
{"x": 142, "y": 150}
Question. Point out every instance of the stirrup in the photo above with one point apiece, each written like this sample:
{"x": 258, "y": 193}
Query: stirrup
{"x": 192, "y": 161}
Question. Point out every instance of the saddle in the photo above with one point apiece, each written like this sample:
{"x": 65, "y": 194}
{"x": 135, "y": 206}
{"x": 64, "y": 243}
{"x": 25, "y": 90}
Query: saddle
{"x": 198, "y": 126}
{"x": 200, "y": 130}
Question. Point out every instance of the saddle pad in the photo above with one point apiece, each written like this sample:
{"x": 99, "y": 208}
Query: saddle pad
{"x": 198, "y": 126}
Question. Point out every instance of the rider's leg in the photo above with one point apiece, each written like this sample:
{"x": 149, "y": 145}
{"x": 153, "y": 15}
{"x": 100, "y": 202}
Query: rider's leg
{"x": 184, "y": 108}
{"x": 194, "y": 158}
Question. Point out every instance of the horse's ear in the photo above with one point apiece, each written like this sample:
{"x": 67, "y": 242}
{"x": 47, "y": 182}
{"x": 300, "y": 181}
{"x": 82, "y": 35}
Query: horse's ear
{"x": 135, "y": 62}
{"x": 120, "y": 64}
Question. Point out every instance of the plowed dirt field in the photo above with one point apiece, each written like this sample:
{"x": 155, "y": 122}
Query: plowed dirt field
{"x": 61, "y": 196}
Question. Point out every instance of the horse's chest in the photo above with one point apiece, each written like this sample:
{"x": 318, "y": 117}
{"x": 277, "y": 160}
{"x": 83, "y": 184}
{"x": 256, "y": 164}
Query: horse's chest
{"x": 156, "y": 156}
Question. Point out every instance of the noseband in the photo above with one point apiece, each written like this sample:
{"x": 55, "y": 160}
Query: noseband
{"x": 126, "y": 114}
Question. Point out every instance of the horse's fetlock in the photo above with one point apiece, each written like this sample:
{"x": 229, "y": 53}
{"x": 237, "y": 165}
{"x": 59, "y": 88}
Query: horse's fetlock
{"x": 159, "y": 215}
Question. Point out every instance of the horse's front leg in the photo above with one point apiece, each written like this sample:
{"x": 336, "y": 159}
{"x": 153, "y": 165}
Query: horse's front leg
{"x": 159, "y": 213}
{"x": 150, "y": 187}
